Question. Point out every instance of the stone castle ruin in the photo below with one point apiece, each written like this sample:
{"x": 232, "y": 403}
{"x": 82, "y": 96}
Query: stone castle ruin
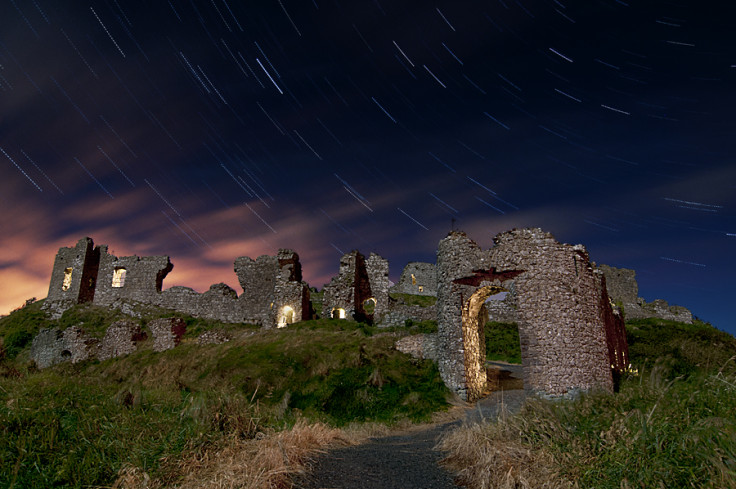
{"x": 273, "y": 291}
{"x": 572, "y": 334}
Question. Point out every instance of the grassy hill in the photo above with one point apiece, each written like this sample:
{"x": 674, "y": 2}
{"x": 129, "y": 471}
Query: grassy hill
{"x": 86, "y": 424}
{"x": 672, "y": 423}
{"x": 252, "y": 409}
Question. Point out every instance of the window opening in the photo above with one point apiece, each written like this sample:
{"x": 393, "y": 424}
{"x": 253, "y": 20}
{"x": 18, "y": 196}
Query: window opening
{"x": 67, "y": 279}
{"x": 118, "y": 277}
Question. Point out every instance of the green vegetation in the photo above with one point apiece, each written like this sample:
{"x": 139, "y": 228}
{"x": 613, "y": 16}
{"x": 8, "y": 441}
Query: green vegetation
{"x": 685, "y": 349}
{"x": 80, "y": 425}
{"x": 502, "y": 342}
{"x": 414, "y": 300}
{"x": 315, "y": 300}
{"x": 672, "y": 424}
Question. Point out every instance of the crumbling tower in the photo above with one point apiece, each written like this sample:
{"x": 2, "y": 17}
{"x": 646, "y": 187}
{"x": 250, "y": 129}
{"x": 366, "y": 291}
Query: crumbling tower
{"x": 74, "y": 277}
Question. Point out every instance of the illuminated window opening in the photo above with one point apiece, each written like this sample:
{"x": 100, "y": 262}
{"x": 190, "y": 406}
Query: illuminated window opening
{"x": 413, "y": 279}
{"x": 421, "y": 288}
{"x": 338, "y": 313}
{"x": 287, "y": 316}
{"x": 67, "y": 279}
{"x": 118, "y": 277}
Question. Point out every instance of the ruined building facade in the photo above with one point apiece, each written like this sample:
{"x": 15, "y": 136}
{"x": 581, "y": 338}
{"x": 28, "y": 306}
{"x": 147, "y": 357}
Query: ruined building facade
{"x": 359, "y": 290}
{"x": 623, "y": 289}
{"x": 273, "y": 291}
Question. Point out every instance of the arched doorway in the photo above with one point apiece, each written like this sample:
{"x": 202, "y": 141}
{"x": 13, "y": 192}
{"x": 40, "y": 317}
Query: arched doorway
{"x": 286, "y": 316}
{"x": 338, "y": 313}
{"x": 473, "y": 321}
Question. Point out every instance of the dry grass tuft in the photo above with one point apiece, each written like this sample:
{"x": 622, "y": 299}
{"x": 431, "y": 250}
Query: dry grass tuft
{"x": 486, "y": 456}
{"x": 265, "y": 462}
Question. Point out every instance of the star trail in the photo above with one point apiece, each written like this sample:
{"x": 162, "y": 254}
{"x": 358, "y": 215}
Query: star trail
{"x": 211, "y": 129}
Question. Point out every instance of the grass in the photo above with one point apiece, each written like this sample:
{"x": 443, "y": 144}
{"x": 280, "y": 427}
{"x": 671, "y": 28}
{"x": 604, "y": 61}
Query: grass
{"x": 502, "y": 342}
{"x": 673, "y": 424}
{"x": 414, "y": 300}
{"x": 253, "y": 408}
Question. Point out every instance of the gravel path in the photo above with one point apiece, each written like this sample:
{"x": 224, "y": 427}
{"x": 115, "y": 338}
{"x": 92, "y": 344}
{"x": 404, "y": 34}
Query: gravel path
{"x": 405, "y": 460}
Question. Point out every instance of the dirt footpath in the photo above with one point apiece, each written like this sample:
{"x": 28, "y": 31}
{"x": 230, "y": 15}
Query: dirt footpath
{"x": 405, "y": 460}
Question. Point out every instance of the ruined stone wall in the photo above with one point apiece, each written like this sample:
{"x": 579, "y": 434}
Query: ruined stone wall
{"x": 120, "y": 339}
{"x": 273, "y": 286}
{"x": 257, "y": 278}
{"x": 622, "y": 288}
{"x": 377, "y": 271}
{"x": 621, "y": 284}
{"x": 613, "y": 320}
{"x": 503, "y": 311}
{"x": 273, "y": 291}
{"x": 458, "y": 256}
{"x": 399, "y": 313}
{"x": 142, "y": 282}
{"x": 47, "y": 347}
{"x": 52, "y": 346}
{"x": 563, "y": 336}
{"x": 421, "y": 346}
{"x": 417, "y": 278}
{"x": 167, "y": 332}
{"x": 659, "y": 308}
{"x": 73, "y": 278}
{"x": 220, "y": 303}
{"x": 340, "y": 293}
{"x": 561, "y": 325}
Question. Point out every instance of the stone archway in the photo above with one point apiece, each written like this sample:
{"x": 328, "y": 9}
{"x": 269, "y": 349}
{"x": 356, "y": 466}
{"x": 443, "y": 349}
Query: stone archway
{"x": 473, "y": 323}
{"x": 558, "y": 301}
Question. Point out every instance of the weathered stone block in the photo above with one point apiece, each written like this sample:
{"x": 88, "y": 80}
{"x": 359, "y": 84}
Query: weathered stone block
{"x": 213, "y": 337}
{"x": 167, "y": 332}
{"x": 120, "y": 339}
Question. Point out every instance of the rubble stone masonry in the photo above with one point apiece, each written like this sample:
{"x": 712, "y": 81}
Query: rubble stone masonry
{"x": 561, "y": 326}
{"x": 622, "y": 288}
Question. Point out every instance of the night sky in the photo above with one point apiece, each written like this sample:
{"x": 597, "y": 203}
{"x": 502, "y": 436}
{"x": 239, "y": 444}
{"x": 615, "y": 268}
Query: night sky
{"x": 211, "y": 129}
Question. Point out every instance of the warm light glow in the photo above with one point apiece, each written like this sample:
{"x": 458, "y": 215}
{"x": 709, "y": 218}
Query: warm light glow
{"x": 286, "y": 316}
{"x": 67, "y": 279}
{"x": 118, "y": 277}
{"x": 338, "y": 313}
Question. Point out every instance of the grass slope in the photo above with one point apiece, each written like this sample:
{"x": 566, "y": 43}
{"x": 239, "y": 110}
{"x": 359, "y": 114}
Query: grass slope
{"x": 86, "y": 424}
{"x": 672, "y": 424}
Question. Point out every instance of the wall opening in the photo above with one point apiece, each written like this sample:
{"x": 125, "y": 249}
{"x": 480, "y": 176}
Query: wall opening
{"x": 67, "y": 279}
{"x": 502, "y": 344}
{"x": 369, "y": 306}
{"x": 286, "y": 316}
{"x": 338, "y": 313}
{"x": 474, "y": 316}
{"x": 118, "y": 277}
{"x": 413, "y": 279}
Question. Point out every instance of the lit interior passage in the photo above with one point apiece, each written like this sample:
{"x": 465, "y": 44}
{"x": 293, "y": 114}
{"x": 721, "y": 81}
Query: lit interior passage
{"x": 67, "y": 279}
{"x": 118, "y": 277}
{"x": 474, "y": 347}
{"x": 338, "y": 313}
{"x": 286, "y": 316}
